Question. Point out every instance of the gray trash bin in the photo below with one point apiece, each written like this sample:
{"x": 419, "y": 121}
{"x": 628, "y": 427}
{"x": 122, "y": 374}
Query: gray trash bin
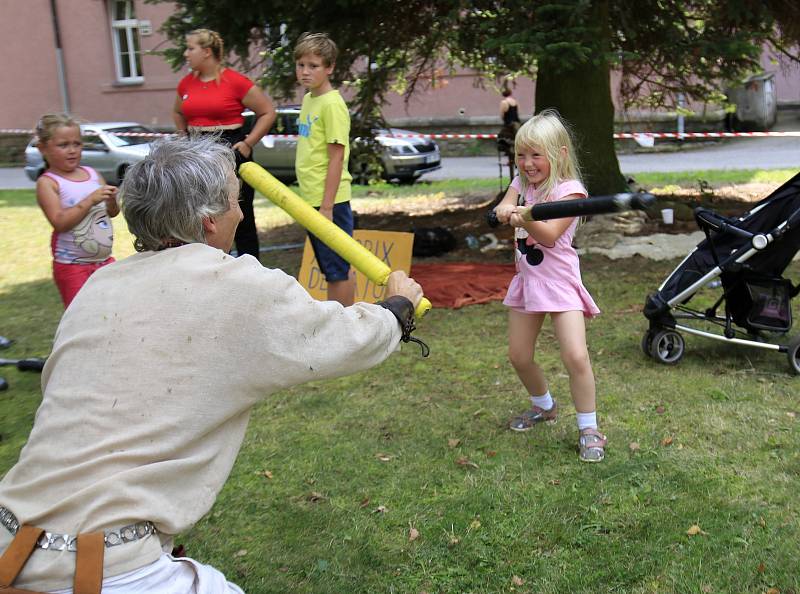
{"x": 756, "y": 102}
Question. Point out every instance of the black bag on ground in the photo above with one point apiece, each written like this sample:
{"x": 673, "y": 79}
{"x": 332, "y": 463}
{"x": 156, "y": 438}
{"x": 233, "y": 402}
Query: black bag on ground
{"x": 432, "y": 241}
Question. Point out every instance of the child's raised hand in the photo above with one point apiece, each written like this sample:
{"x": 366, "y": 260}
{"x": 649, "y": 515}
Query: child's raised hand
{"x": 516, "y": 220}
{"x": 103, "y": 193}
{"x": 504, "y": 212}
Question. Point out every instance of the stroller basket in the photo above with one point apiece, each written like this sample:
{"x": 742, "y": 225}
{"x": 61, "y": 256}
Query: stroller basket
{"x": 762, "y": 304}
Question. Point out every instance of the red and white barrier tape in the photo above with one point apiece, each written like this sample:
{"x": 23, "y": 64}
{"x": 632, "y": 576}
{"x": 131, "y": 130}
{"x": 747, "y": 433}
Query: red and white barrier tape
{"x": 443, "y": 136}
{"x": 621, "y": 135}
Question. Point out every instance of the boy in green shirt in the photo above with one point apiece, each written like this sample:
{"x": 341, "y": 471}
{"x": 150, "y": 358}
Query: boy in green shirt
{"x": 323, "y": 150}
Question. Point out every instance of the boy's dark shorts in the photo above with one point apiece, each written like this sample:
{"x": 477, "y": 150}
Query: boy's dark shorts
{"x": 333, "y": 266}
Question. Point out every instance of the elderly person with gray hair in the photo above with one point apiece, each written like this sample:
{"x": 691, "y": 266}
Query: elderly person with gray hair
{"x": 150, "y": 384}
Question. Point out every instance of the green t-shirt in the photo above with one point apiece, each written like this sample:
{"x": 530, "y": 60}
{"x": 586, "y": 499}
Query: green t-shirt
{"x": 323, "y": 120}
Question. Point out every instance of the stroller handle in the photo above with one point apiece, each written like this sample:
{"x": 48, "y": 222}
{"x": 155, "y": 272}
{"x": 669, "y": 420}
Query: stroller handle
{"x": 708, "y": 219}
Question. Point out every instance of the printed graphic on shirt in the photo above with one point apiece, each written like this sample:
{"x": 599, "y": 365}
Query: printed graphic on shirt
{"x": 304, "y": 128}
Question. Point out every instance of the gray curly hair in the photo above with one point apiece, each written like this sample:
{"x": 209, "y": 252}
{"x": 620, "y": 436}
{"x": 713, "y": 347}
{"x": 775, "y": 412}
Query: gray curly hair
{"x": 166, "y": 196}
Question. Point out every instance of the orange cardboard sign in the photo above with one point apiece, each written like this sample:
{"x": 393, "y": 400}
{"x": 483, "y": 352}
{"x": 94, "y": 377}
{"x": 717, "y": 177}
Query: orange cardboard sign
{"x": 392, "y": 247}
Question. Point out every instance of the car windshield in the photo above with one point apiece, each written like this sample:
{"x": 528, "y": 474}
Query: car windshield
{"x": 117, "y": 136}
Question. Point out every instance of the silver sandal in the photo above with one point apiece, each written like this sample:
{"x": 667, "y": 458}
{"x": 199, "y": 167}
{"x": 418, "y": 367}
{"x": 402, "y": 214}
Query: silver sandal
{"x": 591, "y": 445}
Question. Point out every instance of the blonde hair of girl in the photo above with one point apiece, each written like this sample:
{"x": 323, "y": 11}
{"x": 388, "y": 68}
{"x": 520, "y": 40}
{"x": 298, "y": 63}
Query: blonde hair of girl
{"x": 208, "y": 39}
{"x": 49, "y": 123}
{"x": 550, "y": 134}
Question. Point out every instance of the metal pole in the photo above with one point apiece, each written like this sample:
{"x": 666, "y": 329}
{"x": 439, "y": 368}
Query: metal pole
{"x": 681, "y": 104}
{"x": 62, "y": 78}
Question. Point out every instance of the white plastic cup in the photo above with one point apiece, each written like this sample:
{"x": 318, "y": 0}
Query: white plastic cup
{"x": 667, "y": 215}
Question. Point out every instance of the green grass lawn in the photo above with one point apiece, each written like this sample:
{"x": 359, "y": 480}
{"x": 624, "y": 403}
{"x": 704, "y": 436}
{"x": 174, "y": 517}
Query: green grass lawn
{"x": 404, "y": 479}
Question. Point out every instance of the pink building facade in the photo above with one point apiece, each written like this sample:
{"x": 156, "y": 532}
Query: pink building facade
{"x": 110, "y": 72}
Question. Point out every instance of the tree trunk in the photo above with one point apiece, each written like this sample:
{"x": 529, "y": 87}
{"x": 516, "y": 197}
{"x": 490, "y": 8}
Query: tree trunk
{"x": 582, "y": 95}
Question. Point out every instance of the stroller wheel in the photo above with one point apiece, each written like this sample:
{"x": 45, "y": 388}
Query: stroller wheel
{"x": 647, "y": 343}
{"x": 667, "y": 347}
{"x": 794, "y": 355}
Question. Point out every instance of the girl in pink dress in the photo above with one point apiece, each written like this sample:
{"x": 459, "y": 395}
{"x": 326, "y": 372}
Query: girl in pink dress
{"x": 548, "y": 279}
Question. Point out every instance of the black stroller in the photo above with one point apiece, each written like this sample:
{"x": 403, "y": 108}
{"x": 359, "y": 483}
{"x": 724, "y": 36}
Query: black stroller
{"x": 745, "y": 257}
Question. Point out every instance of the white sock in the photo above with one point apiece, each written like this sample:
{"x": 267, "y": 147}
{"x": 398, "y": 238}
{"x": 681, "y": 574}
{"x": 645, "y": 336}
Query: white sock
{"x": 544, "y": 402}
{"x": 587, "y": 420}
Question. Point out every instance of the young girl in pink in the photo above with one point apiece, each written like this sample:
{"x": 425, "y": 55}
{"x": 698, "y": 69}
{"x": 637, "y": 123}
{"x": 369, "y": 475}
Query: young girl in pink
{"x": 78, "y": 204}
{"x": 548, "y": 279}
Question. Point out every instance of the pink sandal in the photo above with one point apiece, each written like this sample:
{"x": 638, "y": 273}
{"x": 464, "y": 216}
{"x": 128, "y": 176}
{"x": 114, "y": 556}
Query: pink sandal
{"x": 591, "y": 445}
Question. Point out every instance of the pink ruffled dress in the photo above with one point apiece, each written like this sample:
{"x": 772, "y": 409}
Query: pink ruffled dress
{"x": 555, "y": 284}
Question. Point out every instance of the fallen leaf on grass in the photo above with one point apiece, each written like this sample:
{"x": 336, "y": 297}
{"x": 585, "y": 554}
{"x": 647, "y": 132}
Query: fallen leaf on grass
{"x": 517, "y": 581}
{"x": 240, "y": 553}
{"x": 266, "y": 473}
{"x": 694, "y": 530}
{"x": 761, "y": 568}
{"x": 364, "y": 503}
{"x": 315, "y": 497}
{"x": 381, "y": 509}
{"x": 773, "y": 591}
{"x": 474, "y": 525}
{"x": 462, "y": 461}
{"x": 453, "y": 541}
{"x": 453, "y": 443}
{"x": 383, "y": 457}
{"x": 660, "y": 409}
{"x": 634, "y": 446}
{"x": 413, "y": 534}
{"x": 667, "y": 441}
{"x": 555, "y": 482}
{"x": 490, "y": 453}
{"x": 283, "y": 569}
{"x": 706, "y": 589}
{"x": 791, "y": 415}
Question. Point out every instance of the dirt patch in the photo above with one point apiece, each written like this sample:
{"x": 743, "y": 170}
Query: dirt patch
{"x": 465, "y": 217}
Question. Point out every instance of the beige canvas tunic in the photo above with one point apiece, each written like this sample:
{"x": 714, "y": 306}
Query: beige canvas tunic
{"x": 148, "y": 391}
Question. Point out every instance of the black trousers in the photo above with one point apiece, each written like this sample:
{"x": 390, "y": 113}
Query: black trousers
{"x": 246, "y": 233}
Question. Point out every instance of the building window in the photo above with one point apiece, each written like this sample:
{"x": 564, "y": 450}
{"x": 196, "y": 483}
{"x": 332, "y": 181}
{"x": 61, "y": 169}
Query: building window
{"x": 125, "y": 41}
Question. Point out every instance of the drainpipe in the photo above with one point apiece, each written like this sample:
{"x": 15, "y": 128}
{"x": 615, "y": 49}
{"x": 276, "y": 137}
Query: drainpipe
{"x": 62, "y": 79}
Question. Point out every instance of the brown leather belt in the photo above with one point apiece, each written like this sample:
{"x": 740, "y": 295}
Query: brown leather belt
{"x": 88, "y": 561}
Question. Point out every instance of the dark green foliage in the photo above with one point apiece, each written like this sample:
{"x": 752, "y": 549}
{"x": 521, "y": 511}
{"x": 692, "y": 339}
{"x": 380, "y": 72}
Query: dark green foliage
{"x": 662, "y": 48}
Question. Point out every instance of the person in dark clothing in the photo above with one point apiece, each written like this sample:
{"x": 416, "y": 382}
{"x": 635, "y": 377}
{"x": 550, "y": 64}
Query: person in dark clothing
{"x": 509, "y": 113}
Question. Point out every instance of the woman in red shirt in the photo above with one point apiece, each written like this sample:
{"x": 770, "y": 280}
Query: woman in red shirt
{"x": 210, "y": 101}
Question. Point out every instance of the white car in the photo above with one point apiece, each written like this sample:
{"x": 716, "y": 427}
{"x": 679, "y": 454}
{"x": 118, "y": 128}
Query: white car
{"x": 403, "y": 159}
{"x": 106, "y": 148}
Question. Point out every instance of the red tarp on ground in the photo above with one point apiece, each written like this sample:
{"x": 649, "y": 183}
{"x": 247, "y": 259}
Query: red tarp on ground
{"x": 456, "y": 284}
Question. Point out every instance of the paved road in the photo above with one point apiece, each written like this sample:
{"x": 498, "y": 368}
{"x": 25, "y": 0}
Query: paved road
{"x": 12, "y": 178}
{"x": 738, "y": 153}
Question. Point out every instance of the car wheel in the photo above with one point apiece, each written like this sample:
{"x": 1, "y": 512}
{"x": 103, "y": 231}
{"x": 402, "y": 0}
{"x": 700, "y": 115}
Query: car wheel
{"x": 667, "y": 347}
{"x": 406, "y": 180}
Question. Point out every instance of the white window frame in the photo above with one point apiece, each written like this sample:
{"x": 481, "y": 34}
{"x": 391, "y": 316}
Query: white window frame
{"x": 130, "y": 26}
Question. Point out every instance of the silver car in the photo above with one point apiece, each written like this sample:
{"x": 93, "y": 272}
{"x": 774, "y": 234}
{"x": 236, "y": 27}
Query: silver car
{"x": 403, "y": 159}
{"x": 106, "y": 148}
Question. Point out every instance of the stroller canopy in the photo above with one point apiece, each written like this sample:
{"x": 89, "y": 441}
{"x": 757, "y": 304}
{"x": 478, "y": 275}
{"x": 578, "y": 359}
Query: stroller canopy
{"x": 764, "y": 217}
